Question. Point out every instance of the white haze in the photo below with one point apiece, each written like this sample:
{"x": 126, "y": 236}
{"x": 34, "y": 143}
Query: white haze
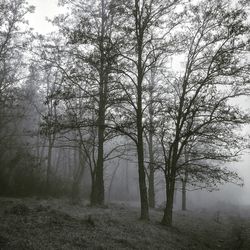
{"x": 228, "y": 193}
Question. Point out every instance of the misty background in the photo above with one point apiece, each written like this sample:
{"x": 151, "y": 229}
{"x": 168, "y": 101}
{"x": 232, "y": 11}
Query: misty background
{"x": 228, "y": 193}
{"x": 125, "y": 124}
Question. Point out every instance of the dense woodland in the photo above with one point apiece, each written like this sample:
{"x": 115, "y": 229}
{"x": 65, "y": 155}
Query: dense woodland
{"x": 145, "y": 92}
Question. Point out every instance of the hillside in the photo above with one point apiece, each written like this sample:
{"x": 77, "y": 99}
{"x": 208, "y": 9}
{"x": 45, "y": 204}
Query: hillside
{"x": 57, "y": 224}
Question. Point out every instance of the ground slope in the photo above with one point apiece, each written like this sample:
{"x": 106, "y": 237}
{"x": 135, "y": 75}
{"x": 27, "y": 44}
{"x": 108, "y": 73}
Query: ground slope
{"x": 56, "y": 224}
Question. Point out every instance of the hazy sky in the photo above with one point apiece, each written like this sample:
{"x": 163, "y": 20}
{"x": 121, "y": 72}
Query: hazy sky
{"x": 44, "y": 8}
{"x": 49, "y": 8}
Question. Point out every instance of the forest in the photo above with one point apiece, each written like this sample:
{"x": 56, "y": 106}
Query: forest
{"x": 126, "y": 102}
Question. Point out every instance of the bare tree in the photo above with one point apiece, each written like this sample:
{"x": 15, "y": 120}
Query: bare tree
{"x": 14, "y": 39}
{"x": 91, "y": 26}
{"x": 147, "y": 39}
{"x": 214, "y": 74}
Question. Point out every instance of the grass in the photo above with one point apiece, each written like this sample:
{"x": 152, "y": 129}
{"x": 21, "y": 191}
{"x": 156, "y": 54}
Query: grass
{"x": 56, "y": 224}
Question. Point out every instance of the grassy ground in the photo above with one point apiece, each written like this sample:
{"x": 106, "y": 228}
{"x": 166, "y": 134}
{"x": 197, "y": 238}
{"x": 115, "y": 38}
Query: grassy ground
{"x": 56, "y": 224}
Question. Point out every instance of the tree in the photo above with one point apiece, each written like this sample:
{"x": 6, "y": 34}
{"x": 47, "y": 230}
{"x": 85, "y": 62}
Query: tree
{"x": 204, "y": 161}
{"x": 154, "y": 100}
{"x": 213, "y": 75}
{"x": 48, "y": 126}
{"x": 91, "y": 26}
{"x": 147, "y": 40}
{"x": 13, "y": 43}
{"x": 14, "y": 39}
{"x": 151, "y": 167}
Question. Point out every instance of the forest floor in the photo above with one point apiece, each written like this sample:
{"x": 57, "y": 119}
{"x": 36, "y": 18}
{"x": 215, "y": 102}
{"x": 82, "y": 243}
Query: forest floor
{"x": 57, "y": 224}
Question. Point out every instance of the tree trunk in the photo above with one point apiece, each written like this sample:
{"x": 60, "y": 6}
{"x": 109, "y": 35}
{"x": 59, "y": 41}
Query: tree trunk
{"x": 141, "y": 170}
{"x": 151, "y": 188}
{"x": 98, "y": 186}
{"x": 111, "y": 182}
{"x": 184, "y": 192}
{"x": 97, "y": 198}
{"x": 151, "y": 183}
{"x": 48, "y": 173}
{"x": 168, "y": 211}
{"x": 170, "y": 176}
{"x": 142, "y": 184}
{"x": 78, "y": 177}
{"x": 92, "y": 193}
{"x": 139, "y": 113}
{"x": 140, "y": 150}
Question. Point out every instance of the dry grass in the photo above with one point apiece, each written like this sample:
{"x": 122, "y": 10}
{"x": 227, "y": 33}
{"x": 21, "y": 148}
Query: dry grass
{"x": 56, "y": 224}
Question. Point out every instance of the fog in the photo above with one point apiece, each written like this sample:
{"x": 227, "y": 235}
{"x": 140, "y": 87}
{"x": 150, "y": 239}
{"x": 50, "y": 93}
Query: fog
{"x": 228, "y": 193}
{"x": 124, "y": 124}
{"x": 44, "y": 9}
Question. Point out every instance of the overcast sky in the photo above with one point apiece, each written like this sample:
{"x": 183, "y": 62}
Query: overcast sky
{"x": 44, "y": 8}
{"x": 49, "y": 8}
